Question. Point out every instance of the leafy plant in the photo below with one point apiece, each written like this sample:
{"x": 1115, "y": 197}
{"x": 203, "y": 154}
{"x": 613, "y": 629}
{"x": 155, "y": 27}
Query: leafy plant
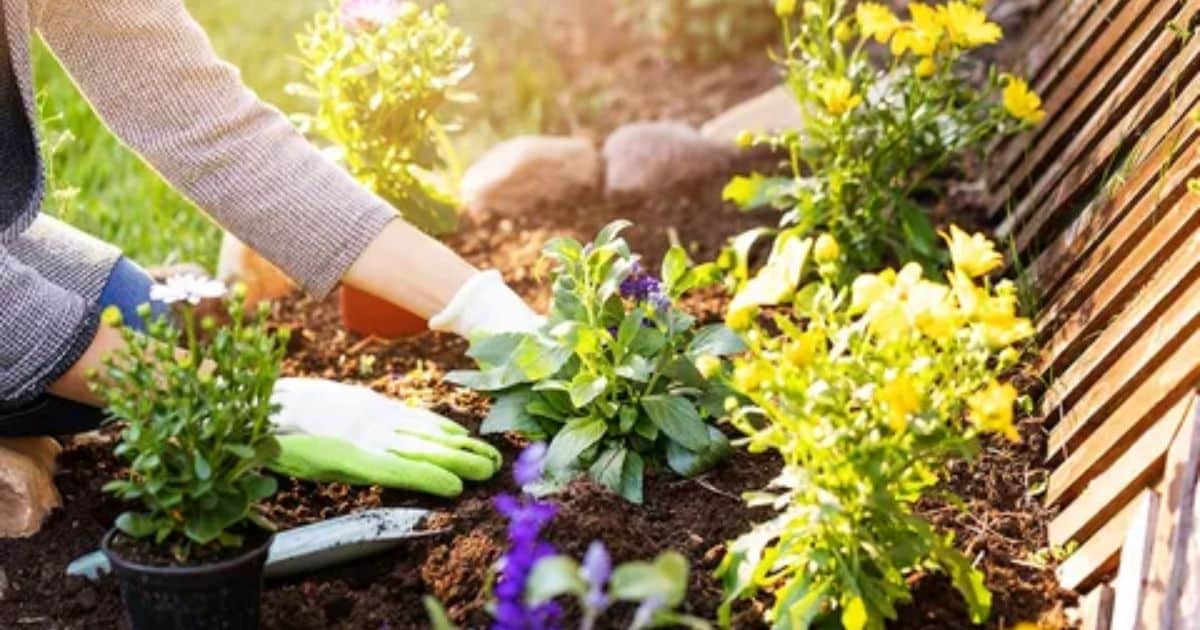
{"x": 612, "y": 376}
{"x": 866, "y": 389}
{"x": 876, "y": 133}
{"x": 706, "y": 31}
{"x": 198, "y": 419}
{"x": 533, "y": 576}
{"x": 379, "y": 72}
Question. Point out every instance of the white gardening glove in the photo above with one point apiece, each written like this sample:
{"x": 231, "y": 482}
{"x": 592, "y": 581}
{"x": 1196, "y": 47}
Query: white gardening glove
{"x": 485, "y": 304}
{"x": 376, "y": 425}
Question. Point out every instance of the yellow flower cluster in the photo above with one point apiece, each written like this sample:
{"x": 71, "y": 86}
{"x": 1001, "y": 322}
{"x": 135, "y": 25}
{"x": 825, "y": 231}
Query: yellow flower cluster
{"x": 899, "y": 303}
{"x": 837, "y": 95}
{"x": 959, "y": 23}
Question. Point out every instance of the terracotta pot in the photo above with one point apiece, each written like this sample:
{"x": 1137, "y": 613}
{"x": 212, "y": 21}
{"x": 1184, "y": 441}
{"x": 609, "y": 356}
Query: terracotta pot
{"x": 370, "y": 316}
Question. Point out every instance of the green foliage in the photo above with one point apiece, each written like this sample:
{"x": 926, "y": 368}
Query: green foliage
{"x": 881, "y": 125}
{"x": 706, "y": 31}
{"x": 379, "y": 85}
{"x": 866, "y": 389}
{"x": 198, "y": 425}
{"x": 612, "y": 375}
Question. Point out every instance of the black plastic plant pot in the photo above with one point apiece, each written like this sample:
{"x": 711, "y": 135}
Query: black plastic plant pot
{"x": 218, "y": 596}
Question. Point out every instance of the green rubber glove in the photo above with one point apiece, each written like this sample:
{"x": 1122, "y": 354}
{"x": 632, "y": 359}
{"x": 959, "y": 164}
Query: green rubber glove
{"x": 361, "y": 425}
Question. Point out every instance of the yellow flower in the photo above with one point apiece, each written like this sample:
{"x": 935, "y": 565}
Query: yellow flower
{"x": 111, "y": 317}
{"x": 1001, "y": 326}
{"x": 838, "y": 96}
{"x": 785, "y": 8}
{"x": 866, "y": 290}
{"x": 926, "y": 68}
{"x": 740, "y": 319}
{"x": 901, "y": 399}
{"x": 888, "y": 319}
{"x": 968, "y": 26}
{"x": 826, "y": 249}
{"x": 930, "y": 309}
{"x": 843, "y": 31}
{"x": 1020, "y": 101}
{"x": 747, "y": 377}
{"x": 991, "y": 409}
{"x": 922, "y": 35}
{"x": 974, "y": 254}
{"x": 799, "y": 352}
{"x": 876, "y": 20}
{"x": 708, "y": 365}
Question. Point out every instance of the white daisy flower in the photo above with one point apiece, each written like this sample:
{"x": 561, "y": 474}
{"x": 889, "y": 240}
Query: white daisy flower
{"x": 188, "y": 288}
{"x": 362, "y": 15}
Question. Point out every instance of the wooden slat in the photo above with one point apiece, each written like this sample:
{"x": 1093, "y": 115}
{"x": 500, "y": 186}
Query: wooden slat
{"x": 1149, "y": 400}
{"x": 1078, "y": 167}
{"x": 1167, "y": 308}
{"x": 1179, "y": 484}
{"x": 1118, "y": 484}
{"x": 1100, "y": 554}
{"x": 1112, "y": 278}
{"x": 1094, "y": 76}
{"x": 1107, "y": 216}
{"x": 1095, "y": 609}
{"x": 1130, "y": 586}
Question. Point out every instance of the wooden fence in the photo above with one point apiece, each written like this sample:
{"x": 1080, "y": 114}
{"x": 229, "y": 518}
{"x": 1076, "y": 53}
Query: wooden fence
{"x": 1097, "y": 202}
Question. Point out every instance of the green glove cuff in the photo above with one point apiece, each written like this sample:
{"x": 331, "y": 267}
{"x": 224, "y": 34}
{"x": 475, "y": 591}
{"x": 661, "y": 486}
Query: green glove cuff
{"x": 330, "y": 459}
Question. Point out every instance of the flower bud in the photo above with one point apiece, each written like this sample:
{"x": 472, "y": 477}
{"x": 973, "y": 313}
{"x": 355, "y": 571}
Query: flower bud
{"x": 747, "y": 377}
{"x": 708, "y": 365}
{"x": 740, "y": 319}
{"x": 111, "y": 317}
{"x": 785, "y": 8}
{"x": 826, "y": 250}
{"x": 926, "y": 68}
{"x": 745, "y": 139}
{"x": 843, "y": 32}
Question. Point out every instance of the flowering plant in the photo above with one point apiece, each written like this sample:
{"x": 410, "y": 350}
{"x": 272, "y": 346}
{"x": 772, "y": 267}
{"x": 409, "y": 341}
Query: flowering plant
{"x": 617, "y": 374}
{"x": 706, "y": 31}
{"x": 532, "y": 575}
{"x": 380, "y": 71}
{"x": 866, "y": 391}
{"x": 875, "y": 134}
{"x": 198, "y": 418}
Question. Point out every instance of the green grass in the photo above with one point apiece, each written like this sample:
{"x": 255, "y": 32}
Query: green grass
{"x": 101, "y": 187}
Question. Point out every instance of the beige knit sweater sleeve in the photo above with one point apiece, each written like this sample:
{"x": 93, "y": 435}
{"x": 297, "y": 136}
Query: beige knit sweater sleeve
{"x": 151, "y": 73}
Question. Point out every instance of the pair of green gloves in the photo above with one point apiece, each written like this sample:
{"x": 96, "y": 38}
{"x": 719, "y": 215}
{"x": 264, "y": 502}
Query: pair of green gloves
{"x": 330, "y": 431}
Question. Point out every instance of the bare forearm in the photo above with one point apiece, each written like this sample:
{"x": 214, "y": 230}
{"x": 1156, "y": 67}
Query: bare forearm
{"x": 73, "y": 385}
{"x": 410, "y": 269}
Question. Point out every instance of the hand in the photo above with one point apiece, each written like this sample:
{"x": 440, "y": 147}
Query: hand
{"x": 334, "y": 432}
{"x": 486, "y": 304}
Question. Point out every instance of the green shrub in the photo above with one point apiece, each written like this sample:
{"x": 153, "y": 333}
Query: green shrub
{"x": 612, "y": 376}
{"x": 879, "y": 128}
{"x": 198, "y": 421}
{"x": 867, "y": 390}
{"x": 706, "y": 31}
{"x": 380, "y": 72}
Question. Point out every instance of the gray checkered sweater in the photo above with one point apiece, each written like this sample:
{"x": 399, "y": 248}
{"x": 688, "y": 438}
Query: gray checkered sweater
{"x": 150, "y": 72}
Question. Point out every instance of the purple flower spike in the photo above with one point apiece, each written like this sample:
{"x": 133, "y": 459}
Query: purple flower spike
{"x": 643, "y": 287}
{"x": 597, "y": 566}
{"x": 530, "y": 465}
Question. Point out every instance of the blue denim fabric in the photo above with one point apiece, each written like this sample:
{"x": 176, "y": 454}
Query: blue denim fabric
{"x": 127, "y": 288}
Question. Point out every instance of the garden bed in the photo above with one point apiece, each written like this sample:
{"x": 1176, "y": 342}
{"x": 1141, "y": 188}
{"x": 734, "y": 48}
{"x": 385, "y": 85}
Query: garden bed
{"x": 1001, "y": 524}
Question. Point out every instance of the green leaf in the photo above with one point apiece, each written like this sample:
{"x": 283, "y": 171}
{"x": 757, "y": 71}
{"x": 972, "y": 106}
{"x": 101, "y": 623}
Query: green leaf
{"x": 135, "y": 524}
{"x": 201, "y": 467}
{"x": 665, "y": 579}
{"x": 552, "y": 577}
{"x": 918, "y": 230}
{"x": 259, "y": 487}
{"x": 674, "y": 267}
{"x": 648, "y": 342}
{"x": 678, "y": 418}
{"x": 508, "y": 413}
{"x": 239, "y": 450}
{"x": 491, "y": 350}
{"x": 691, "y": 463}
{"x": 715, "y": 340}
{"x": 575, "y": 437}
{"x": 438, "y": 618}
{"x": 755, "y": 190}
{"x": 609, "y": 232}
{"x": 585, "y": 388}
{"x": 562, "y": 249}
{"x": 607, "y": 468}
{"x": 967, "y": 579}
{"x": 632, "y": 473}
{"x": 636, "y": 368}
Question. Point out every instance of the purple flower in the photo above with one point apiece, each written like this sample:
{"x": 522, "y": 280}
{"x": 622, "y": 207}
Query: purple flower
{"x": 597, "y": 566}
{"x": 643, "y": 287}
{"x": 364, "y": 15}
{"x": 526, "y": 519}
{"x": 530, "y": 464}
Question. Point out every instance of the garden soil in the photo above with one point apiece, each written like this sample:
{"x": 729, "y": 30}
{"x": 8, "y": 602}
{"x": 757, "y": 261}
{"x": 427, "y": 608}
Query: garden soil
{"x": 1000, "y": 522}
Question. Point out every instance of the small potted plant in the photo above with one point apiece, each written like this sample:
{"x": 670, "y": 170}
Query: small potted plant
{"x": 379, "y": 72}
{"x": 196, "y": 402}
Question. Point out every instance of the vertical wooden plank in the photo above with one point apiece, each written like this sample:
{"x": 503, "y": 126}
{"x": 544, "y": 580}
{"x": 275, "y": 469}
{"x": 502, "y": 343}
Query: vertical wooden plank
{"x": 1130, "y": 584}
{"x": 1096, "y": 609}
{"x": 1099, "y": 554}
{"x": 1179, "y": 485}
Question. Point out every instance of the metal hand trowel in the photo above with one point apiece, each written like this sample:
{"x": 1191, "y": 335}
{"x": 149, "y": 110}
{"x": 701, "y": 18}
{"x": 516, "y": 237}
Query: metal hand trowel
{"x": 315, "y": 546}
